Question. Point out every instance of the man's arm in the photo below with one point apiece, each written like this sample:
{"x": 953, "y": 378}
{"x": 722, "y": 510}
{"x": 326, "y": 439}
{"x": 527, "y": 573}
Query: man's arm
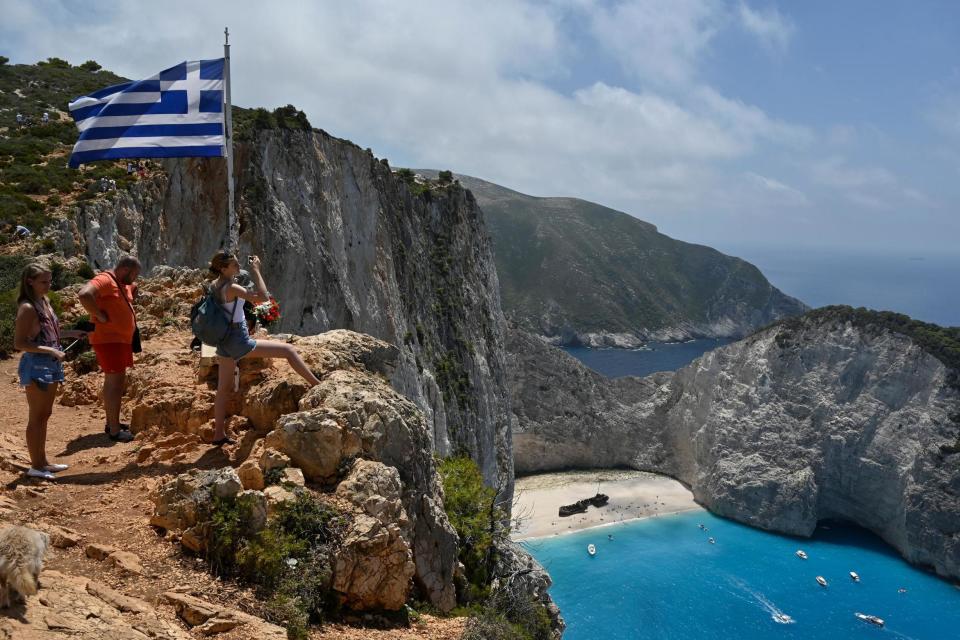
{"x": 88, "y": 298}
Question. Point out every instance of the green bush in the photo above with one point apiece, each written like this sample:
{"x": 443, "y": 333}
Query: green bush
{"x": 445, "y": 177}
{"x": 4, "y": 60}
{"x": 471, "y": 509}
{"x": 90, "y": 66}
{"x": 58, "y": 63}
{"x": 290, "y": 561}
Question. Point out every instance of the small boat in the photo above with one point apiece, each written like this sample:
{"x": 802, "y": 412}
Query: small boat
{"x": 868, "y": 618}
{"x": 854, "y": 576}
{"x": 821, "y": 581}
{"x": 801, "y": 554}
{"x": 711, "y": 541}
{"x": 592, "y": 550}
{"x": 782, "y": 618}
{"x": 701, "y": 526}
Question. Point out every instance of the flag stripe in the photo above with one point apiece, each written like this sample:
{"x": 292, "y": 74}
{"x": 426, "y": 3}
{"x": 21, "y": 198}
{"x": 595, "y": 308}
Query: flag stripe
{"x": 81, "y": 157}
{"x": 154, "y": 131}
{"x": 166, "y": 118}
{"x": 175, "y": 113}
{"x": 133, "y": 143}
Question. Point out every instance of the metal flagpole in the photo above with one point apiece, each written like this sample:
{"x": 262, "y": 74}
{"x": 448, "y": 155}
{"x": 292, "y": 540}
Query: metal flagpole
{"x": 233, "y": 228}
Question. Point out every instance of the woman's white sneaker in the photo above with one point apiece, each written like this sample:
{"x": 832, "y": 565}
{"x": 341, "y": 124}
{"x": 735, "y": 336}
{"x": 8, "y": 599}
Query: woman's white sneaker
{"x": 40, "y": 473}
{"x": 55, "y": 468}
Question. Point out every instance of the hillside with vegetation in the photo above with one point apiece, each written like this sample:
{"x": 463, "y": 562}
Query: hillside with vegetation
{"x": 570, "y": 269}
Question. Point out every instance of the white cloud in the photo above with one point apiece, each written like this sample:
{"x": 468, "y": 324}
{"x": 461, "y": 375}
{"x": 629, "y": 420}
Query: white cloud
{"x": 658, "y": 40}
{"x": 777, "y": 191}
{"x": 773, "y": 30}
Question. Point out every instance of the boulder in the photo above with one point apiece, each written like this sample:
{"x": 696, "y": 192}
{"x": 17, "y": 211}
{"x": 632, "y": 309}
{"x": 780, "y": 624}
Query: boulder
{"x": 250, "y": 474}
{"x": 315, "y": 442}
{"x": 184, "y": 503}
{"x": 373, "y": 567}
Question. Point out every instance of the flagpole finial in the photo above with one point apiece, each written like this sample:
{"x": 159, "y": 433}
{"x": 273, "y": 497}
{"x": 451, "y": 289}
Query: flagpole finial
{"x": 226, "y": 35}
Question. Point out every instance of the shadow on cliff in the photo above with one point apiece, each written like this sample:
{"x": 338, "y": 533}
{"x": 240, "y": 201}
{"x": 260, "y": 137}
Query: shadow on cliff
{"x": 214, "y": 458}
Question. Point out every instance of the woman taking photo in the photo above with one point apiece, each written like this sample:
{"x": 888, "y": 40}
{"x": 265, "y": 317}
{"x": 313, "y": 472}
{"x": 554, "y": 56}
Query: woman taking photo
{"x": 237, "y": 343}
{"x": 37, "y": 334}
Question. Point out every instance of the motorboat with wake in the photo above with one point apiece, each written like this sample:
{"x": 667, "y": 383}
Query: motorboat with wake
{"x": 801, "y": 554}
{"x": 854, "y": 576}
{"x": 821, "y": 581}
{"x": 592, "y": 550}
{"x": 782, "y": 618}
{"x": 869, "y": 618}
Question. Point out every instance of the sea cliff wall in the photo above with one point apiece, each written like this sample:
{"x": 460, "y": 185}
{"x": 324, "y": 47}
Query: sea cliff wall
{"x": 821, "y": 419}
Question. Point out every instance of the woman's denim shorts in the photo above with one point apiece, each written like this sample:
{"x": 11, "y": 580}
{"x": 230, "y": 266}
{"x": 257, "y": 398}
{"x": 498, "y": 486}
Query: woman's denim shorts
{"x": 237, "y": 343}
{"x": 39, "y": 368}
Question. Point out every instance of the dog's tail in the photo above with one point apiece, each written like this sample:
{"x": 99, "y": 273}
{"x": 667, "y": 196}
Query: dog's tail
{"x": 23, "y": 581}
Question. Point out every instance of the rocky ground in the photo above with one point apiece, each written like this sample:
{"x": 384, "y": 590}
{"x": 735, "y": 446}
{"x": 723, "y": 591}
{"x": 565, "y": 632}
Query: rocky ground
{"x": 109, "y": 573}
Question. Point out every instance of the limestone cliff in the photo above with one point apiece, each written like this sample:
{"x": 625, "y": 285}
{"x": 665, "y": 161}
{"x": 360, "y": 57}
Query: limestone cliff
{"x": 829, "y": 417}
{"x": 347, "y": 245}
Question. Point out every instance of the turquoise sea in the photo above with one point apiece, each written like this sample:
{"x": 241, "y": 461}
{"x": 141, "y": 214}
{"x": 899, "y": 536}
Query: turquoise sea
{"x": 660, "y": 579}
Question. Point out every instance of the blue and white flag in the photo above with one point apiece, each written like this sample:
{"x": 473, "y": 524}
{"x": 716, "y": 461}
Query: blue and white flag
{"x": 176, "y": 113}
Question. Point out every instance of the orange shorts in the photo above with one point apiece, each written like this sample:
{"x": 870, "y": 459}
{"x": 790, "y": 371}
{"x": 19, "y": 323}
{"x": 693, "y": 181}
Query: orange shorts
{"x": 114, "y": 357}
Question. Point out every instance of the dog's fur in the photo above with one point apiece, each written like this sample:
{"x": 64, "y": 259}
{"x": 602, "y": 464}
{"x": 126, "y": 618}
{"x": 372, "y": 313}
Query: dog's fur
{"x": 21, "y": 560}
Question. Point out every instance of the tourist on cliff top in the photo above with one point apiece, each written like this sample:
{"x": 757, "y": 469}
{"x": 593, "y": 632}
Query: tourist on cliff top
{"x": 37, "y": 334}
{"x": 108, "y": 298}
{"x": 238, "y": 343}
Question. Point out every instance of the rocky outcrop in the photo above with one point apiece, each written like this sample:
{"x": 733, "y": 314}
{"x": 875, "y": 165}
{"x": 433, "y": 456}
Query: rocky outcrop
{"x": 353, "y": 431}
{"x": 825, "y": 418}
{"x": 74, "y": 607}
{"x": 345, "y": 244}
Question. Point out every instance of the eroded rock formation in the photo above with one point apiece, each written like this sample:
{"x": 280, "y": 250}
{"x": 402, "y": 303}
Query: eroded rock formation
{"x": 825, "y": 419}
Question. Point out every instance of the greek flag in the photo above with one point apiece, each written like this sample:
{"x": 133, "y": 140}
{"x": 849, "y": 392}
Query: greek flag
{"x": 176, "y": 113}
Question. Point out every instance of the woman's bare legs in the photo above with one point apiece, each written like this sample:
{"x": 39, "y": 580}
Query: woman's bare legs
{"x": 271, "y": 349}
{"x": 224, "y": 389}
{"x": 40, "y": 403}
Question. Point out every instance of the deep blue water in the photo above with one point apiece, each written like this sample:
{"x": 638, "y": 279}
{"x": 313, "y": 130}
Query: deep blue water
{"x": 656, "y": 356}
{"x": 659, "y": 579}
{"x": 925, "y": 286}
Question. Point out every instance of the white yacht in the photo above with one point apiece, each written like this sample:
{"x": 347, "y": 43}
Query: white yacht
{"x": 801, "y": 554}
{"x": 868, "y": 618}
{"x": 592, "y": 550}
{"x": 782, "y": 618}
{"x": 711, "y": 541}
{"x": 854, "y": 576}
{"x": 821, "y": 581}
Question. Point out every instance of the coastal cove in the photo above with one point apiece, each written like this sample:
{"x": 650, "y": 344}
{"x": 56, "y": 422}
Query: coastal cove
{"x": 661, "y": 578}
{"x": 651, "y": 358}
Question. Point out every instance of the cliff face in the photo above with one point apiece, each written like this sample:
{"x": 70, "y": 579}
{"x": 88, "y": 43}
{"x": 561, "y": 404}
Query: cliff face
{"x": 822, "y": 420}
{"x": 344, "y": 245}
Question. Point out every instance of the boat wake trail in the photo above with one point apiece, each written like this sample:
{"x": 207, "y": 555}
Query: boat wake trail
{"x": 776, "y": 614}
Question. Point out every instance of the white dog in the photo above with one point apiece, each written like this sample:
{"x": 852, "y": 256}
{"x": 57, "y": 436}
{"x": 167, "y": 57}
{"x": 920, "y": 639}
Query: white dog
{"x": 21, "y": 560}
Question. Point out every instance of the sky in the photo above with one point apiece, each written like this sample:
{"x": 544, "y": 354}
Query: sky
{"x": 732, "y": 123}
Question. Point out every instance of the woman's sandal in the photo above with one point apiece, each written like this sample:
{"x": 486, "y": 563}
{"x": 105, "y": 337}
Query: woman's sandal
{"x": 222, "y": 441}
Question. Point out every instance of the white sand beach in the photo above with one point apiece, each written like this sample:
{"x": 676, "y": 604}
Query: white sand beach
{"x": 633, "y": 494}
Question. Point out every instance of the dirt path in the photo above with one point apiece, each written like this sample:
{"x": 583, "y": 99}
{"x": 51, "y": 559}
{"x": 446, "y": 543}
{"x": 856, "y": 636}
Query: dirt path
{"x": 104, "y": 497}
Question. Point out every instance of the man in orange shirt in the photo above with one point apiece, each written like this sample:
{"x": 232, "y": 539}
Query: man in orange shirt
{"x": 108, "y": 298}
